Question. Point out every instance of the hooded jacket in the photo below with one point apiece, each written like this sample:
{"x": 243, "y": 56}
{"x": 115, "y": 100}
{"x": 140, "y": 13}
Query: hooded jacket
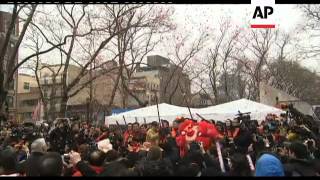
{"x": 269, "y": 165}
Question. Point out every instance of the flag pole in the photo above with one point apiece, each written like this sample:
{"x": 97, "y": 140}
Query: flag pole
{"x": 184, "y": 98}
{"x": 158, "y": 109}
{"x": 40, "y": 102}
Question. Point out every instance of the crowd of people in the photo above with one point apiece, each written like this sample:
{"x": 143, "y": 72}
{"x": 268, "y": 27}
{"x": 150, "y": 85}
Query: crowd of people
{"x": 277, "y": 146}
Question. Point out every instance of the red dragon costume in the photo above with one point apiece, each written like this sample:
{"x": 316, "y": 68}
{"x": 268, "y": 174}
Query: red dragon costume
{"x": 190, "y": 131}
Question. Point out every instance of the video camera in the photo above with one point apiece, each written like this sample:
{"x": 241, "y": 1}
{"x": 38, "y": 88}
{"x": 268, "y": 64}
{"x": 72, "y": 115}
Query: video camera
{"x": 243, "y": 117}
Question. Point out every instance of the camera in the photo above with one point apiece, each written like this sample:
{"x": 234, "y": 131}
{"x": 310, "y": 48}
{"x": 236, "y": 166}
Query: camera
{"x": 244, "y": 117}
{"x": 66, "y": 158}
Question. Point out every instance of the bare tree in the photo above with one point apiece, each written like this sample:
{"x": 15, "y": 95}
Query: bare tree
{"x": 134, "y": 44}
{"x": 312, "y": 26}
{"x": 255, "y": 57}
{"x": 8, "y": 59}
{"x": 86, "y": 27}
{"x": 182, "y": 59}
{"x": 219, "y": 63}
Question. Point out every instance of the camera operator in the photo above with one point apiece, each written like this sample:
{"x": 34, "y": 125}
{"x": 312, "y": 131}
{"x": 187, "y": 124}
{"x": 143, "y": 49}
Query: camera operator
{"x": 244, "y": 138}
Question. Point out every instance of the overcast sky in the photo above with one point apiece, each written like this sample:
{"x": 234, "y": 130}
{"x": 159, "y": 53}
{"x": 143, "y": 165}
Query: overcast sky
{"x": 287, "y": 17}
{"x": 191, "y": 18}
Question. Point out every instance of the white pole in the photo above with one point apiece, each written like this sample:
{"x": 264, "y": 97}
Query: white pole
{"x": 220, "y": 157}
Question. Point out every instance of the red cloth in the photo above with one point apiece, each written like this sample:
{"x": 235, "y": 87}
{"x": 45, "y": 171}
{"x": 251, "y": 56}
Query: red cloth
{"x": 207, "y": 133}
{"x": 97, "y": 169}
{"x": 181, "y": 143}
{"x": 103, "y": 136}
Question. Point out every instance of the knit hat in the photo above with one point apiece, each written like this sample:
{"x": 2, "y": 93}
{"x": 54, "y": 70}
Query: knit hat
{"x": 269, "y": 165}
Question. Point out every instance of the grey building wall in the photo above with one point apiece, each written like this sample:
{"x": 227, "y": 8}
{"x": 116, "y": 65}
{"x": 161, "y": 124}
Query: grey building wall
{"x": 268, "y": 96}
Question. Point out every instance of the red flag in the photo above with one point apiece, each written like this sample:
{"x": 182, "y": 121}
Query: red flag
{"x": 36, "y": 112}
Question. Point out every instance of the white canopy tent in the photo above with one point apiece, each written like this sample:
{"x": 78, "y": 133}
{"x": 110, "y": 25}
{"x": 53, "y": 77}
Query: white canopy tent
{"x": 219, "y": 112}
{"x": 229, "y": 110}
{"x": 150, "y": 113}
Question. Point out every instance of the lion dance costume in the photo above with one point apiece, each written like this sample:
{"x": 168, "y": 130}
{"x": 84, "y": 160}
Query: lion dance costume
{"x": 190, "y": 131}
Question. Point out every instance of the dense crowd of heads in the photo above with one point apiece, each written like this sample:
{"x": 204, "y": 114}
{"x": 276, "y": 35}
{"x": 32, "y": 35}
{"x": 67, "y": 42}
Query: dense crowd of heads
{"x": 276, "y": 146}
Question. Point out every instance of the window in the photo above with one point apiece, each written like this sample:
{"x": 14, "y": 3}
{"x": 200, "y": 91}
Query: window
{"x": 32, "y": 102}
{"x": 45, "y": 80}
{"x": 26, "y": 86}
{"x": 45, "y": 94}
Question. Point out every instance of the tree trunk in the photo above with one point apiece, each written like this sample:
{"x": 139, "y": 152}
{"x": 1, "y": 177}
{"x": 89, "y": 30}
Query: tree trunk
{"x": 63, "y": 105}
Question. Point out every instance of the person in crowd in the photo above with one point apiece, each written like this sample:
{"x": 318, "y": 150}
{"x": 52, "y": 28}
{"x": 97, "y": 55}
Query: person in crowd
{"x": 128, "y": 133}
{"x": 164, "y": 131}
{"x": 95, "y": 160}
{"x": 239, "y": 165}
{"x": 153, "y": 134}
{"x": 299, "y": 163}
{"x": 60, "y": 138}
{"x": 232, "y": 128}
{"x": 9, "y": 162}
{"x": 269, "y": 165}
{"x": 275, "y": 148}
{"x": 38, "y": 149}
{"x": 175, "y": 126}
{"x": 51, "y": 164}
{"x": 154, "y": 164}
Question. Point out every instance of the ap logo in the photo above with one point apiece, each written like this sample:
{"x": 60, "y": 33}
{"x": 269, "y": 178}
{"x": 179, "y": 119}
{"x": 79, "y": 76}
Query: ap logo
{"x": 263, "y": 14}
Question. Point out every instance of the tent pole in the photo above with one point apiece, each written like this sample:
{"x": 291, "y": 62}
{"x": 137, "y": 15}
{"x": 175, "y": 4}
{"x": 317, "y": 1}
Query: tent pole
{"x": 119, "y": 127}
{"x": 200, "y": 116}
{"x": 124, "y": 119}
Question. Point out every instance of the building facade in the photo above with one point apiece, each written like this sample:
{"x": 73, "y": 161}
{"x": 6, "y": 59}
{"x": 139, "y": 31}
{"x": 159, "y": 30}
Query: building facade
{"x": 200, "y": 100}
{"x": 28, "y": 97}
{"x": 160, "y": 81}
{"x": 52, "y": 89}
{"x": 269, "y": 96}
{"x": 90, "y": 102}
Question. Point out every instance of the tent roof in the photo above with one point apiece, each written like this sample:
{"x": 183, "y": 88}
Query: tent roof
{"x": 166, "y": 111}
{"x": 219, "y": 112}
{"x": 257, "y": 110}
